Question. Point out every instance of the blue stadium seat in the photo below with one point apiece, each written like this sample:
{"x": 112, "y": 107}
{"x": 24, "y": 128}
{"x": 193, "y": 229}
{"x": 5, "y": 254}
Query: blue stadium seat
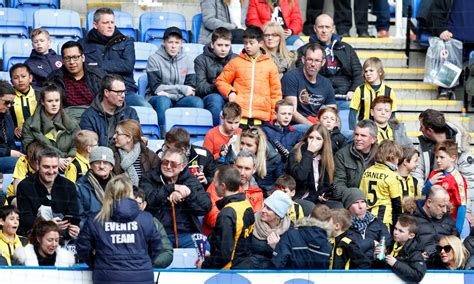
{"x": 154, "y": 24}
{"x": 5, "y": 75}
{"x": 193, "y": 49}
{"x": 12, "y": 23}
{"x": 7, "y": 180}
{"x": 15, "y": 50}
{"x": 471, "y": 56}
{"x": 143, "y": 50}
{"x": 237, "y": 48}
{"x": 29, "y": 7}
{"x": 59, "y": 23}
{"x": 123, "y": 21}
{"x": 149, "y": 122}
{"x": 57, "y": 43}
{"x": 196, "y": 27}
{"x": 196, "y": 121}
{"x": 2, "y": 3}
{"x": 142, "y": 85}
{"x": 155, "y": 144}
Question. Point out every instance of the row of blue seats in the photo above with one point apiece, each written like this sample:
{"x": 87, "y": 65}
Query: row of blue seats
{"x": 67, "y": 24}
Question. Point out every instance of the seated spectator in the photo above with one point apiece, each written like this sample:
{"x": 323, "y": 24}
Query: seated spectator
{"x": 132, "y": 156}
{"x": 351, "y": 161}
{"x": 106, "y": 47}
{"x": 199, "y": 159}
{"x": 165, "y": 256}
{"x": 43, "y": 248}
{"x": 306, "y": 89}
{"x": 80, "y": 81}
{"x": 171, "y": 77}
{"x": 170, "y": 187}
{"x": 85, "y": 142}
{"x": 51, "y": 126}
{"x": 452, "y": 252}
{"x": 279, "y": 132}
{"x": 8, "y": 153}
{"x": 25, "y": 166}
{"x": 230, "y": 241}
{"x": 381, "y": 112}
{"x": 406, "y": 166}
{"x": 208, "y": 66}
{"x": 328, "y": 116}
{"x": 47, "y": 194}
{"x": 26, "y": 97}
{"x": 275, "y": 47}
{"x": 91, "y": 187}
{"x": 287, "y": 184}
{"x": 251, "y": 74}
{"x": 286, "y": 13}
{"x": 219, "y": 139}
{"x": 120, "y": 236}
{"x": 402, "y": 254}
{"x": 365, "y": 94}
{"x": 246, "y": 165}
{"x": 43, "y": 59}
{"x": 349, "y": 255}
{"x": 270, "y": 223}
{"x": 311, "y": 163}
{"x": 107, "y": 109}
{"x": 269, "y": 166}
{"x": 9, "y": 240}
{"x": 221, "y": 13}
{"x": 367, "y": 230}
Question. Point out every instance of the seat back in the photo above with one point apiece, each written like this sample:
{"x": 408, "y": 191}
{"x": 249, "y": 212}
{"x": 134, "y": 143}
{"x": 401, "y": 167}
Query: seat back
{"x": 143, "y": 50}
{"x": 196, "y": 24}
{"x": 149, "y": 122}
{"x": 154, "y": 24}
{"x": 196, "y": 121}
{"x": 15, "y": 50}
{"x": 7, "y": 180}
{"x": 123, "y": 22}
{"x": 4, "y": 75}
{"x": 193, "y": 49}
{"x": 13, "y": 23}
{"x": 54, "y": 4}
{"x": 59, "y": 23}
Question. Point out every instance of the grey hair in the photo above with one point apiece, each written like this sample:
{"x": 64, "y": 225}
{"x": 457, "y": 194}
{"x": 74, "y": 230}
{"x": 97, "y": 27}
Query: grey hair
{"x": 182, "y": 155}
{"x": 247, "y": 154}
{"x": 100, "y": 12}
{"x": 367, "y": 123}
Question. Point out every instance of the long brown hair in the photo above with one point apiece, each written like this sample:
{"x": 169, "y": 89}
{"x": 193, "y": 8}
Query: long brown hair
{"x": 282, "y": 45}
{"x": 327, "y": 159}
{"x": 260, "y": 139}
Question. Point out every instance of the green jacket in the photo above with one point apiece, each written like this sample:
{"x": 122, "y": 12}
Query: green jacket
{"x": 165, "y": 257}
{"x": 36, "y": 126}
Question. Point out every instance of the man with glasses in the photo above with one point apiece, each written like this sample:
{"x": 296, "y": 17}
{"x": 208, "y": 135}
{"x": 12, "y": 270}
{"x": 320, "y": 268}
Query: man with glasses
{"x": 8, "y": 153}
{"x": 108, "y": 109}
{"x": 306, "y": 89}
{"x": 176, "y": 198}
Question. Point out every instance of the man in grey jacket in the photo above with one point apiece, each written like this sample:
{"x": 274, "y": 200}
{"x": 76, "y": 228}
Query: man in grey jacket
{"x": 171, "y": 77}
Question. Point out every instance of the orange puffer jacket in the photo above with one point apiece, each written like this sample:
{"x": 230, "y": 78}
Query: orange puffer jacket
{"x": 256, "y": 83}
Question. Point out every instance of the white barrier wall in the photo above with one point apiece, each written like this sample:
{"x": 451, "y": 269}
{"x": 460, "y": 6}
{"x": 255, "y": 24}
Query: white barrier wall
{"x": 79, "y": 276}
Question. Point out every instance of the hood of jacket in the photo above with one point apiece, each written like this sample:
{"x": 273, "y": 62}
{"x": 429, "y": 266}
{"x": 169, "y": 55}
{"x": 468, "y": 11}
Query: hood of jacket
{"x": 207, "y": 51}
{"x": 125, "y": 210}
{"x": 278, "y": 128}
{"x": 264, "y": 56}
{"x": 312, "y": 222}
{"x": 93, "y": 36}
{"x": 166, "y": 57}
{"x": 335, "y": 40}
{"x": 39, "y": 122}
{"x": 312, "y": 234}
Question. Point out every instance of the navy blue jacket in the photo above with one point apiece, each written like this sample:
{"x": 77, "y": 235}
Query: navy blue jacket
{"x": 305, "y": 247}
{"x": 275, "y": 168}
{"x": 42, "y": 65}
{"x": 287, "y": 136}
{"x": 9, "y": 144}
{"x": 115, "y": 54}
{"x": 124, "y": 246}
{"x": 86, "y": 198}
{"x": 95, "y": 119}
{"x": 365, "y": 240}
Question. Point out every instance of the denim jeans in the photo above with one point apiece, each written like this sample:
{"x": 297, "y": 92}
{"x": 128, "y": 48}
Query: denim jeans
{"x": 342, "y": 104}
{"x": 381, "y": 9}
{"x": 162, "y": 103}
{"x": 7, "y": 164}
{"x": 132, "y": 99}
{"x": 214, "y": 103}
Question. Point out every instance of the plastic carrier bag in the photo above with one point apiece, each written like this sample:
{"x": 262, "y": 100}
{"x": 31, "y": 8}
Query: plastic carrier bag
{"x": 443, "y": 63}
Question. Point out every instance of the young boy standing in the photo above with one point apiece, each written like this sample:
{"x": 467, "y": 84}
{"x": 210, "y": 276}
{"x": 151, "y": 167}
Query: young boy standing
{"x": 402, "y": 255}
{"x": 43, "y": 60}
{"x": 9, "y": 240}
{"x": 279, "y": 132}
{"x": 406, "y": 165}
{"x": 252, "y": 80}
{"x": 208, "y": 66}
{"x": 220, "y": 138}
{"x": 381, "y": 112}
{"x": 85, "y": 142}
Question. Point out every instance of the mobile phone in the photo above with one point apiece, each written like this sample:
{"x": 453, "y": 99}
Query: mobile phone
{"x": 72, "y": 220}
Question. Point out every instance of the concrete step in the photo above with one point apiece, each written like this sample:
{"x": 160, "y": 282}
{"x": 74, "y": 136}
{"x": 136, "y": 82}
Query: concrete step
{"x": 394, "y": 59}
{"x": 377, "y": 43}
{"x": 404, "y": 73}
{"x": 413, "y": 90}
{"x": 421, "y": 105}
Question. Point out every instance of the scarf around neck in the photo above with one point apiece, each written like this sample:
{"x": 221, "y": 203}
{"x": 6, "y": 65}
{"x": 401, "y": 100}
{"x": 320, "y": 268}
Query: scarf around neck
{"x": 262, "y": 230}
{"x": 127, "y": 162}
{"x": 361, "y": 224}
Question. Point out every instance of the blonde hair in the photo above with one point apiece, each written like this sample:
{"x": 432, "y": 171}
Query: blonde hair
{"x": 37, "y": 32}
{"x": 327, "y": 159}
{"x": 260, "y": 139}
{"x": 282, "y": 50}
{"x": 388, "y": 151}
{"x": 331, "y": 109}
{"x": 376, "y": 63}
{"x": 85, "y": 138}
{"x": 341, "y": 216}
{"x": 461, "y": 254}
{"x": 119, "y": 187}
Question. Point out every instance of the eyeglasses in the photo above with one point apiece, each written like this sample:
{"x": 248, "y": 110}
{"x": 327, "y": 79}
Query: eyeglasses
{"x": 315, "y": 61}
{"x": 446, "y": 249}
{"x": 118, "y": 92}
{"x": 7, "y": 103}
{"x": 72, "y": 58}
{"x": 271, "y": 35}
{"x": 171, "y": 164}
{"x": 118, "y": 133}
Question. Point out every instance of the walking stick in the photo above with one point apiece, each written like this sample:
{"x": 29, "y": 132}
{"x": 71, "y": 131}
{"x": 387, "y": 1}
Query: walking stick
{"x": 175, "y": 229}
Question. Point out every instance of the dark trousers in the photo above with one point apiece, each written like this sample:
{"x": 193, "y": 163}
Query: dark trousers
{"x": 343, "y": 15}
{"x": 314, "y": 8}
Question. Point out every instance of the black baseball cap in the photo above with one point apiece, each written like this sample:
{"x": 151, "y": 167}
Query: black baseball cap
{"x": 173, "y": 31}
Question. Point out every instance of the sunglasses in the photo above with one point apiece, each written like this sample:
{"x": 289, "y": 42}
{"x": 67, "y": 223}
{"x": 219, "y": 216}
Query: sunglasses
{"x": 171, "y": 164}
{"x": 446, "y": 249}
{"x": 251, "y": 130}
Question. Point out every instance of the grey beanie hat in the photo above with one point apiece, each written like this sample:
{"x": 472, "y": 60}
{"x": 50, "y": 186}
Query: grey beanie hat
{"x": 279, "y": 202}
{"x": 351, "y": 195}
{"x": 102, "y": 153}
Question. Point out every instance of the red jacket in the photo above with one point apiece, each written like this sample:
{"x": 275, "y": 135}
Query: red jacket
{"x": 253, "y": 194}
{"x": 456, "y": 186}
{"x": 259, "y": 13}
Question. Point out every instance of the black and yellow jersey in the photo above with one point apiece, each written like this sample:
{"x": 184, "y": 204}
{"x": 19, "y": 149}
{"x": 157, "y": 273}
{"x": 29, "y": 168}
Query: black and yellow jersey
{"x": 365, "y": 94}
{"x": 382, "y": 189}
{"x": 22, "y": 170}
{"x": 409, "y": 186}
{"x": 24, "y": 105}
{"x": 77, "y": 168}
{"x": 384, "y": 133}
{"x": 346, "y": 254}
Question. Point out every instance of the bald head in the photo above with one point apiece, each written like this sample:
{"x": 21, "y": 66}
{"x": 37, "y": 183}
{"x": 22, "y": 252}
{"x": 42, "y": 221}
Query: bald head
{"x": 437, "y": 202}
{"x": 324, "y": 28}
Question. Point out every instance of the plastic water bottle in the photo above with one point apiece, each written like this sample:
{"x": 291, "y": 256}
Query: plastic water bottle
{"x": 382, "y": 245}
